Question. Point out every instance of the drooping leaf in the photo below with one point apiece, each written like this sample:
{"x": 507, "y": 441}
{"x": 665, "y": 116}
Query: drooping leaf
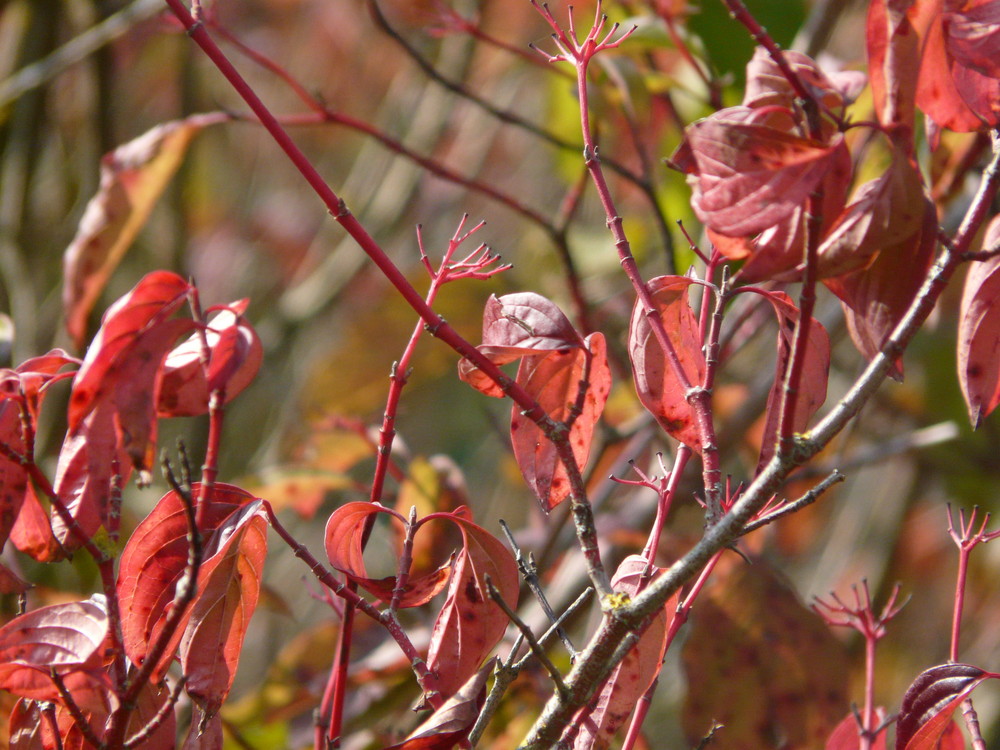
{"x": 876, "y": 298}
{"x": 235, "y": 351}
{"x": 815, "y": 371}
{"x": 69, "y": 638}
{"x": 155, "y": 559}
{"x": 979, "y": 334}
{"x": 612, "y": 706}
{"x": 883, "y": 210}
{"x": 133, "y": 177}
{"x": 847, "y": 735}
{"x": 470, "y": 624}
{"x": 515, "y": 326}
{"x": 32, "y": 531}
{"x": 228, "y": 588}
{"x": 451, "y": 723}
{"x": 89, "y": 459}
{"x": 554, "y": 379}
{"x": 749, "y": 169}
{"x": 659, "y": 388}
{"x": 931, "y": 700}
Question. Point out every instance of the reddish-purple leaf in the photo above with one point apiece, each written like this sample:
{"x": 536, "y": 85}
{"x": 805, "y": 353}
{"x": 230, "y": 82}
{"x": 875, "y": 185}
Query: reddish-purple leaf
{"x": 470, "y": 624}
{"x": 155, "y": 558}
{"x": 815, "y": 370}
{"x": 931, "y": 700}
{"x": 749, "y": 169}
{"x": 235, "y": 353}
{"x": 847, "y": 735}
{"x": 451, "y": 723}
{"x": 69, "y": 638}
{"x": 659, "y": 388}
{"x": 979, "y": 334}
{"x": 767, "y": 85}
{"x": 883, "y": 210}
{"x": 344, "y": 532}
{"x": 228, "y": 587}
{"x": 515, "y": 326}
{"x": 554, "y": 380}
{"x": 11, "y": 583}
{"x": 876, "y": 298}
{"x": 957, "y": 86}
{"x": 133, "y": 177}
{"x": 633, "y": 676}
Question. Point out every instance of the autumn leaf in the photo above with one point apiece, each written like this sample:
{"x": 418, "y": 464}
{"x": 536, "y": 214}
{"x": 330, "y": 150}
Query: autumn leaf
{"x": 847, "y": 735}
{"x": 133, "y": 177}
{"x": 659, "y": 388}
{"x": 451, "y": 723}
{"x": 155, "y": 560}
{"x": 69, "y": 638}
{"x": 815, "y": 371}
{"x": 514, "y": 326}
{"x": 930, "y": 701}
{"x": 228, "y": 587}
{"x": 767, "y": 85}
{"x": 876, "y": 298}
{"x": 235, "y": 355}
{"x": 612, "y": 706}
{"x": 979, "y": 334}
{"x": 749, "y": 169}
{"x": 554, "y": 379}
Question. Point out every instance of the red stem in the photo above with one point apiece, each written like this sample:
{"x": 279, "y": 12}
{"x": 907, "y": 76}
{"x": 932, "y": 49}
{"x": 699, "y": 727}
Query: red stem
{"x": 956, "y": 618}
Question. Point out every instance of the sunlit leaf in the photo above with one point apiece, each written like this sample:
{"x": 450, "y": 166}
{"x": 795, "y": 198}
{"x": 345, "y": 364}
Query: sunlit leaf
{"x": 133, "y": 177}
{"x": 979, "y": 334}
{"x": 930, "y": 701}
{"x": 659, "y": 388}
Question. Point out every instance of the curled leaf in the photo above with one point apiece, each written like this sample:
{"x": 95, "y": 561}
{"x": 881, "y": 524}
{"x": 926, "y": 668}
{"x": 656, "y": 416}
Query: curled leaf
{"x": 979, "y": 334}
{"x": 133, "y": 177}
{"x": 930, "y": 701}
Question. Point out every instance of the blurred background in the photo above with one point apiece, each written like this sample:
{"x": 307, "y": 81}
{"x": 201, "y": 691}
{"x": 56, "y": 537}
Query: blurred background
{"x": 462, "y": 117}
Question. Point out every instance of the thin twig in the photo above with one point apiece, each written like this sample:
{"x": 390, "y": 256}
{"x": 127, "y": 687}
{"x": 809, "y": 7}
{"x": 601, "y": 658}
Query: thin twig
{"x": 533, "y": 643}
{"x": 807, "y": 499}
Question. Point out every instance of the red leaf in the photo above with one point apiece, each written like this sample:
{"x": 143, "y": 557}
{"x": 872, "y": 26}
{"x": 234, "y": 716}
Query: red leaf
{"x": 815, "y": 370}
{"x": 895, "y": 31}
{"x": 514, "y": 326}
{"x": 151, "y": 302}
{"x": 876, "y": 298}
{"x": 344, "y": 532}
{"x": 154, "y": 561}
{"x": 133, "y": 177}
{"x": 32, "y": 532}
{"x": 884, "y": 209}
{"x": 658, "y": 387}
{"x": 21, "y": 392}
{"x": 470, "y": 624}
{"x": 958, "y": 86}
{"x": 84, "y": 473}
{"x": 633, "y": 676}
{"x": 767, "y": 85}
{"x": 11, "y": 583}
{"x": 748, "y": 168}
{"x": 69, "y": 638}
{"x": 236, "y": 353}
{"x": 930, "y": 701}
{"x": 228, "y": 587}
{"x": 847, "y": 735}
{"x": 451, "y": 723}
{"x": 979, "y": 334}
{"x": 554, "y": 380}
